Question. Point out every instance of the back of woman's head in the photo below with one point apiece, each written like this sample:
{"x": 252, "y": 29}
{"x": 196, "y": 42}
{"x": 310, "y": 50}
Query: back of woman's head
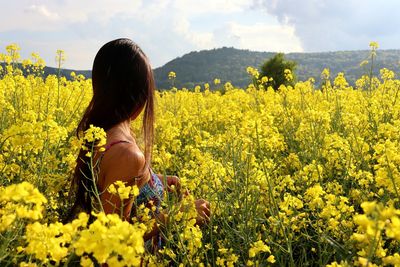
{"x": 123, "y": 85}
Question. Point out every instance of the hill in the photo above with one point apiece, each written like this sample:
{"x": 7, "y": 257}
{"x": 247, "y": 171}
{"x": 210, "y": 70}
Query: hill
{"x": 67, "y": 72}
{"x": 229, "y": 64}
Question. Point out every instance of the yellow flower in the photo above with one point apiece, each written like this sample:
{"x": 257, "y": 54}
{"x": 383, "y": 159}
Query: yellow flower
{"x": 369, "y": 207}
{"x": 86, "y": 262}
{"x": 249, "y": 263}
{"x": 253, "y": 72}
{"x": 288, "y": 75}
{"x": 264, "y": 79}
{"x": 271, "y": 259}
{"x": 373, "y": 45}
{"x": 95, "y": 135}
{"x": 123, "y": 191}
{"x": 258, "y": 247}
{"x": 171, "y": 75}
{"x": 325, "y": 75}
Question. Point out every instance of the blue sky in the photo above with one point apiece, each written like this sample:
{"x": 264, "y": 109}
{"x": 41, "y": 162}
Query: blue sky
{"x": 166, "y": 29}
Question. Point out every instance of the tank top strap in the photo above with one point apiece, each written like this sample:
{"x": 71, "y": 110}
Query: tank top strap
{"x": 107, "y": 147}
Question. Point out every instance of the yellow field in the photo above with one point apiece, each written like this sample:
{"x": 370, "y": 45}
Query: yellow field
{"x": 296, "y": 177}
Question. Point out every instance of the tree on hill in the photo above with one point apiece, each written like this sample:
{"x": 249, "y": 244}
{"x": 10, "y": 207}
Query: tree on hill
{"x": 277, "y": 69}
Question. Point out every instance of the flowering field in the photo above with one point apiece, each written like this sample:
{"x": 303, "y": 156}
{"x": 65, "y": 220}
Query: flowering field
{"x": 301, "y": 176}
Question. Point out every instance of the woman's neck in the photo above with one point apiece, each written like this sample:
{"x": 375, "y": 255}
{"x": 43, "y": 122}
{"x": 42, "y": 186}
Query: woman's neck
{"x": 121, "y": 131}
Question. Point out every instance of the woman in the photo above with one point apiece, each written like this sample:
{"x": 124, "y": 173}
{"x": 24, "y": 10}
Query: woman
{"x": 123, "y": 87}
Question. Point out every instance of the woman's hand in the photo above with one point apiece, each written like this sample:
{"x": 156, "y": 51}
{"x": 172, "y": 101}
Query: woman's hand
{"x": 202, "y": 206}
{"x": 173, "y": 184}
{"x": 203, "y": 211}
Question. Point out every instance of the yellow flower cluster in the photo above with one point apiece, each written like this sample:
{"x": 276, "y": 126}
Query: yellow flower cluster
{"x": 57, "y": 242}
{"x": 259, "y": 247}
{"x": 378, "y": 230}
{"x": 53, "y": 242}
{"x": 95, "y": 134}
{"x": 377, "y": 226}
{"x": 171, "y": 75}
{"x": 94, "y": 138}
{"x": 124, "y": 192}
{"x": 288, "y": 75}
{"x": 253, "y": 72}
{"x": 20, "y": 201}
{"x": 112, "y": 240}
{"x": 108, "y": 239}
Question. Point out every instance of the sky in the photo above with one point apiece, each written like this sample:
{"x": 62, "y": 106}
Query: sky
{"x": 166, "y": 29}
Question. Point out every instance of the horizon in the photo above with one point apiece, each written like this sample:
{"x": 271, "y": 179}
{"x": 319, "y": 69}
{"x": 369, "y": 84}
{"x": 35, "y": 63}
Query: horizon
{"x": 216, "y": 48}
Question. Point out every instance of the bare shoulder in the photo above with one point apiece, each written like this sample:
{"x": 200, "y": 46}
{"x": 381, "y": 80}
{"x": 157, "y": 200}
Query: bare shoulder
{"x": 123, "y": 162}
{"x": 130, "y": 154}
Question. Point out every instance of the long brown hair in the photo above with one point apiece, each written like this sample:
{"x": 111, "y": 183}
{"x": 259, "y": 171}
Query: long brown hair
{"x": 123, "y": 84}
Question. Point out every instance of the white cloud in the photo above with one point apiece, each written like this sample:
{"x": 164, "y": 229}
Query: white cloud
{"x": 325, "y": 25}
{"x": 181, "y": 26}
{"x": 265, "y": 37}
{"x": 41, "y": 14}
{"x": 42, "y": 11}
{"x": 195, "y": 7}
